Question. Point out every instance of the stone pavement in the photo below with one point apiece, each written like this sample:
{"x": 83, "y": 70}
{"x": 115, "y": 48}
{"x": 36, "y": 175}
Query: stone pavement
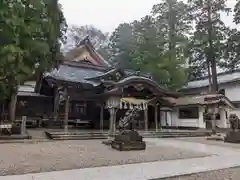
{"x": 222, "y": 157}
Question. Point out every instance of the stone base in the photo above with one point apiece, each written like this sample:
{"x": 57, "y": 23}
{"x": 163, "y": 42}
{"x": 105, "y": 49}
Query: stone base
{"x": 217, "y": 137}
{"x": 232, "y": 137}
{"x": 107, "y": 142}
{"x": 128, "y": 135}
{"x": 128, "y": 146}
{"x": 128, "y": 140}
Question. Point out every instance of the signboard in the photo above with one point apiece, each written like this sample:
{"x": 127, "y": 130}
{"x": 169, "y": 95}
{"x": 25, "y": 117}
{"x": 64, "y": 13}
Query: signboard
{"x": 213, "y": 98}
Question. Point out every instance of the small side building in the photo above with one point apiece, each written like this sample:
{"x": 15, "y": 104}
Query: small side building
{"x": 191, "y": 111}
{"x": 190, "y": 108}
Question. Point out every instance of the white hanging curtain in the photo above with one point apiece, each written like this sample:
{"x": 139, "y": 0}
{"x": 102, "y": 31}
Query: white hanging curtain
{"x": 132, "y": 102}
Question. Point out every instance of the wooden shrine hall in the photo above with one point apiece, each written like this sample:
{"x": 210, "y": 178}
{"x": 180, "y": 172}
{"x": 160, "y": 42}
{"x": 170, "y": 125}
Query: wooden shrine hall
{"x": 86, "y": 90}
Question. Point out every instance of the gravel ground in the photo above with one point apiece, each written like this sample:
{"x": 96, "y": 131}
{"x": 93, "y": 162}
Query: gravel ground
{"x": 203, "y": 140}
{"x": 63, "y": 155}
{"x": 224, "y": 174}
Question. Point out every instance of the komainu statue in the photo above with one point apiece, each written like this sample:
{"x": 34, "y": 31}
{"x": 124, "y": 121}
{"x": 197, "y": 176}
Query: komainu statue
{"x": 128, "y": 138}
{"x": 234, "y": 121}
{"x": 233, "y": 136}
{"x": 129, "y": 121}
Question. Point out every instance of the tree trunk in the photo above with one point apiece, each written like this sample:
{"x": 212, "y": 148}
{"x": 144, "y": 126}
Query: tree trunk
{"x": 2, "y": 111}
{"x": 209, "y": 76}
{"x": 211, "y": 52}
{"x": 12, "y": 106}
{"x": 171, "y": 33}
{"x": 38, "y": 82}
{"x": 211, "y": 58}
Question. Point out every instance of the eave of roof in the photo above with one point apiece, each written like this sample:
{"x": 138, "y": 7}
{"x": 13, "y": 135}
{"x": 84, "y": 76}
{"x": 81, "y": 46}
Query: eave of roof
{"x": 223, "y": 78}
{"x": 200, "y": 100}
{"x": 148, "y": 81}
{"x": 31, "y": 94}
{"x": 154, "y": 86}
{"x": 73, "y": 75}
{"x": 28, "y": 90}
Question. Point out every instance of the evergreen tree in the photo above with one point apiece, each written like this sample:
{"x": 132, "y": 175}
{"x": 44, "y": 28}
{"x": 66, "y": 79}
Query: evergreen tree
{"x": 156, "y": 43}
{"x": 30, "y": 35}
{"x": 232, "y": 53}
{"x": 121, "y": 46}
{"x": 207, "y": 45}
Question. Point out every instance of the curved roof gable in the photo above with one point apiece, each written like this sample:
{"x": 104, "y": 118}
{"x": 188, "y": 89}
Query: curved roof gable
{"x": 147, "y": 82}
{"x": 86, "y": 51}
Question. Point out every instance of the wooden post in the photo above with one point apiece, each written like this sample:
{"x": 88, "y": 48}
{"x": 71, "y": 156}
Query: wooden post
{"x": 101, "y": 118}
{"x": 160, "y": 123}
{"x": 114, "y": 121}
{"x": 214, "y": 113}
{"x": 166, "y": 118}
{"x": 66, "y": 111}
{"x": 146, "y": 119}
{"x": 156, "y": 117}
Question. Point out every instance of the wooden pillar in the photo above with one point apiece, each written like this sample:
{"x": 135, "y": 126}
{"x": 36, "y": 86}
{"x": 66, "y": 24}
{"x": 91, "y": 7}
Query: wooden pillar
{"x": 66, "y": 110}
{"x": 159, "y": 122}
{"x": 55, "y": 104}
{"x": 112, "y": 122}
{"x": 101, "y": 117}
{"x": 156, "y": 117}
{"x": 110, "y": 132}
{"x": 214, "y": 113}
{"x": 23, "y": 125}
{"x": 146, "y": 119}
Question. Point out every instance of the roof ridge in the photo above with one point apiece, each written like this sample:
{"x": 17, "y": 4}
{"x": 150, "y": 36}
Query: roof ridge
{"x": 84, "y": 65}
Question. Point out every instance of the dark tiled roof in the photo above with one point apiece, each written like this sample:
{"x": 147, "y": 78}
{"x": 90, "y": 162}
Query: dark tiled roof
{"x": 222, "y": 79}
{"x": 75, "y": 74}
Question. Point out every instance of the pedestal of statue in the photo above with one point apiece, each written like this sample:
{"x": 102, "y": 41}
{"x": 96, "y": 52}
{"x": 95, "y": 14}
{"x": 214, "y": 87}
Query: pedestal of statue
{"x": 128, "y": 140}
{"x": 232, "y": 137}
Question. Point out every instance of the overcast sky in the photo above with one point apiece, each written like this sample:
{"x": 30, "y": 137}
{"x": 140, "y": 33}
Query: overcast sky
{"x": 107, "y": 14}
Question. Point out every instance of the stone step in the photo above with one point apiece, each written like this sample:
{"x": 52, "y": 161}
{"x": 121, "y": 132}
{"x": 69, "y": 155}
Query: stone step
{"x": 82, "y": 136}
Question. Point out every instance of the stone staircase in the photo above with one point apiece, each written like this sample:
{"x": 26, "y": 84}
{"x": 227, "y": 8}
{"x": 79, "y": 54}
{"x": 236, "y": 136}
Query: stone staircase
{"x": 103, "y": 135}
{"x": 76, "y": 136}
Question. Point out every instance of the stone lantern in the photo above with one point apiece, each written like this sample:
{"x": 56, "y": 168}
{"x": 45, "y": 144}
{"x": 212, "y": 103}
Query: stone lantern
{"x": 112, "y": 104}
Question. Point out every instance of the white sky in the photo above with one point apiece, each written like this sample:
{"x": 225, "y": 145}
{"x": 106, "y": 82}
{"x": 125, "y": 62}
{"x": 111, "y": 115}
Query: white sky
{"x": 107, "y": 14}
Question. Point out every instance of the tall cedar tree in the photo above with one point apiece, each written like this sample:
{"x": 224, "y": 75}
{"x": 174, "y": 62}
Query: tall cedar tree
{"x": 156, "y": 43}
{"x": 120, "y": 46}
{"x": 160, "y": 42}
{"x": 232, "y": 54}
{"x": 30, "y": 43}
{"x": 206, "y": 48}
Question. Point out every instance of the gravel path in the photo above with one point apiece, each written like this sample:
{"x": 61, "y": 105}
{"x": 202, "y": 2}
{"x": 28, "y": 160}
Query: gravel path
{"x": 224, "y": 174}
{"x": 63, "y": 155}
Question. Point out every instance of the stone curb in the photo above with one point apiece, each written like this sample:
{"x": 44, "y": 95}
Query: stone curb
{"x": 27, "y": 141}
